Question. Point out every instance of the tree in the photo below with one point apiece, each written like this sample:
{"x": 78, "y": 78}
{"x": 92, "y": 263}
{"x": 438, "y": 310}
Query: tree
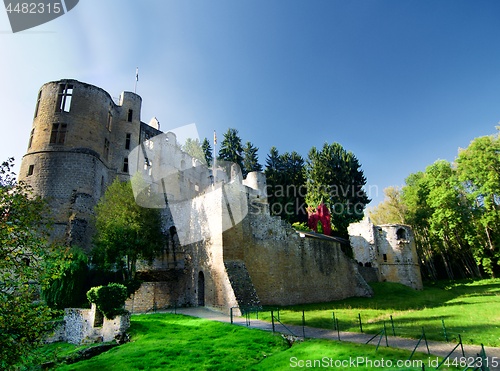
{"x": 250, "y": 159}
{"x": 207, "y": 151}
{"x": 193, "y": 148}
{"x": 440, "y": 214}
{"x": 334, "y": 177}
{"x": 68, "y": 291}
{"x": 231, "y": 148}
{"x": 286, "y": 185}
{"x": 391, "y": 210}
{"x": 479, "y": 168}
{"x": 125, "y": 232}
{"x": 27, "y": 262}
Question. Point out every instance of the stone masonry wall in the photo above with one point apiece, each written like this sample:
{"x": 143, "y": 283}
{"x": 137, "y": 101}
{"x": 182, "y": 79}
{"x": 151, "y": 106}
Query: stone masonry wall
{"x": 81, "y": 326}
{"x": 287, "y": 269}
{"x": 389, "y": 250}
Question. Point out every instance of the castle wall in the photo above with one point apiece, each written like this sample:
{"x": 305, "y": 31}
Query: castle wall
{"x": 287, "y": 269}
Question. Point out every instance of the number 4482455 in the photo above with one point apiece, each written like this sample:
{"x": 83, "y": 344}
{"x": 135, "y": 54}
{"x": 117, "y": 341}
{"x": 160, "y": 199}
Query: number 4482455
{"x": 34, "y": 8}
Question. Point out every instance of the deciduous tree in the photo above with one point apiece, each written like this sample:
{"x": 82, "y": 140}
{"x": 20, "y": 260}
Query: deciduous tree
{"x": 126, "y": 232}
{"x": 27, "y": 263}
{"x": 479, "y": 169}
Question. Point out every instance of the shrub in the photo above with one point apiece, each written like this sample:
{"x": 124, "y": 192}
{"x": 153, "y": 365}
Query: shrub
{"x": 109, "y": 299}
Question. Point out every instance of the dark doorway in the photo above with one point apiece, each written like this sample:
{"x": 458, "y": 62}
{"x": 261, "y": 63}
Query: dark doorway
{"x": 201, "y": 289}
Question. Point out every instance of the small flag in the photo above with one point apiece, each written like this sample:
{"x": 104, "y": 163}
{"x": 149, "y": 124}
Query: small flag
{"x": 215, "y": 138}
{"x": 137, "y": 74}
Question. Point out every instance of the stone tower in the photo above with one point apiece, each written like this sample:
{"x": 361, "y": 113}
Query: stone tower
{"x": 79, "y": 142}
{"x": 386, "y": 252}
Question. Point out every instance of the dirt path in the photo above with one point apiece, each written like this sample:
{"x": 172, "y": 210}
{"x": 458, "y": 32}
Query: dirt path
{"x": 435, "y": 348}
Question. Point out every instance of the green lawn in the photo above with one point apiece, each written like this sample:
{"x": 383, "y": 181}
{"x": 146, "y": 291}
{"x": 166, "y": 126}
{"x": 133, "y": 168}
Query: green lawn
{"x": 176, "y": 342}
{"x": 469, "y": 308}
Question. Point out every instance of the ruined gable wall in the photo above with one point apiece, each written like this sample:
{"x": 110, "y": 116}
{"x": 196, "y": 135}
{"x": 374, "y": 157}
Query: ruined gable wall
{"x": 401, "y": 260}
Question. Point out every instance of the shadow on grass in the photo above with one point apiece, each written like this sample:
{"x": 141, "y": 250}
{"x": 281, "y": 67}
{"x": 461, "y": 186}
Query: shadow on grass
{"x": 398, "y": 297}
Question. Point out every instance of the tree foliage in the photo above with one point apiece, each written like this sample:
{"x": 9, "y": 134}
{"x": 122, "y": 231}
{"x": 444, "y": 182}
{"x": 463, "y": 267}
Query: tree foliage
{"x": 250, "y": 159}
{"x": 334, "y": 177}
{"x": 454, "y": 210}
{"x": 441, "y": 218}
{"x": 391, "y": 210}
{"x": 109, "y": 299}
{"x": 207, "y": 151}
{"x": 194, "y": 148}
{"x": 68, "y": 291}
{"x": 231, "y": 149}
{"x": 125, "y": 232}
{"x": 27, "y": 262}
{"x": 478, "y": 168}
{"x": 286, "y": 185}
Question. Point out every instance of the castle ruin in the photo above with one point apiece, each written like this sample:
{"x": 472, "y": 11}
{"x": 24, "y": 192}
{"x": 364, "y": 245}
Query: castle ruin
{"x": 224, "y": 249}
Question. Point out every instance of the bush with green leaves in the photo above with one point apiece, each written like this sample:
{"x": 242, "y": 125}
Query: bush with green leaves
{"x": 109, "y": 299}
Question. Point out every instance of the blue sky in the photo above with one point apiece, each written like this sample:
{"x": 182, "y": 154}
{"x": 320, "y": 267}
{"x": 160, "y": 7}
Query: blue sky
{"x": 399, "y": 83}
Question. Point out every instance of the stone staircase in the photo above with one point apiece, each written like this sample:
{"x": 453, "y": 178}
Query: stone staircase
{"x": 242, "y": 284}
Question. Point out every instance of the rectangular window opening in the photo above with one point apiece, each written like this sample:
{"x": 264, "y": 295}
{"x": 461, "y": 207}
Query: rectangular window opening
{"x": 31, "y": 138}
{"x": 127, "y": 140}
{"x": 130, "y": 115}
{"x": 31, "y": 169}
{"x": 106, "y": 149}
{"x": 58, "y": 133}
{"x": 110, "y": 121}
{"x": 38, "y": 103}
{"x": 384, "y": 256}
{"x": 64, "y": 98}
{"x": 125, "y": 165}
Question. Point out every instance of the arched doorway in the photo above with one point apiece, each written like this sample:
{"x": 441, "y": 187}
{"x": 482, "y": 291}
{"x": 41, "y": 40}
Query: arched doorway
{"x": 201, "y": 289}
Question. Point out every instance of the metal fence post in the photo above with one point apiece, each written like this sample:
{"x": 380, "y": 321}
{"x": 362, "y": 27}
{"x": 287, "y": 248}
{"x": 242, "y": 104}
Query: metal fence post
{"x": 392, "y": 324}
{"x": 360, "y": 323}
{"x": 338, "y": 328}
{"x": 385, "y": 333}
{"x": 303, "y": 324}
{"x": 272, "y": 319}
{"x": 444, "y": 330}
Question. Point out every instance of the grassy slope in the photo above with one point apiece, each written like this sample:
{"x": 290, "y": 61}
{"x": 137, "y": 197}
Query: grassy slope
{"x": 469, "y": 308}
{"x": 174, "y": 342}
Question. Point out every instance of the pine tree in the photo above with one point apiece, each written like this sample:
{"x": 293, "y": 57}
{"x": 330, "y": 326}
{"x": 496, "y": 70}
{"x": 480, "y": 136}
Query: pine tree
{"x": 231, "y": 149}
{"x": 207, "y": 151}
{"x": 335, "y": 178}
{"x": 286, "y": 185}
{"x": 250, "y": 159}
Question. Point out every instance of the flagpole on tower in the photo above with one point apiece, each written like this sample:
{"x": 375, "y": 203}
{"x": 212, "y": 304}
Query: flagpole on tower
{"x": 136, "y": 79}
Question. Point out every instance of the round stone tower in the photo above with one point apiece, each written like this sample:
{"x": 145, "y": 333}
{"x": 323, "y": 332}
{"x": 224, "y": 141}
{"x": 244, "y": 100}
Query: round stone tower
{"x": 79, "y": 143}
